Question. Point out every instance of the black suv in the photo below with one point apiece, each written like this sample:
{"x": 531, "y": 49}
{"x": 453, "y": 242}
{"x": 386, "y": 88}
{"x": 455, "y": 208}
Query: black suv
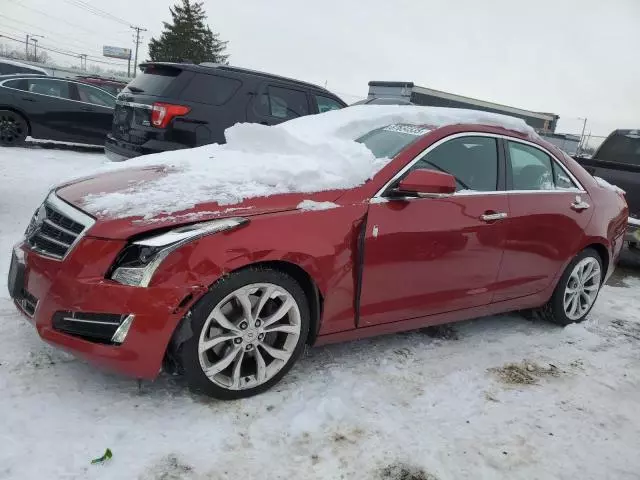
{"x": 172, "y": 105}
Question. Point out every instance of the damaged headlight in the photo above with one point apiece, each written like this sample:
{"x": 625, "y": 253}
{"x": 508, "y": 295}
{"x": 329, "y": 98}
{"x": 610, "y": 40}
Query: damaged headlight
{"x": 138, "y": 261}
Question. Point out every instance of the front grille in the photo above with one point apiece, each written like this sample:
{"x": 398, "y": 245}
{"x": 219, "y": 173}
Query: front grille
{"x": 53, "y": 233}
{"x": 94, "y": 327}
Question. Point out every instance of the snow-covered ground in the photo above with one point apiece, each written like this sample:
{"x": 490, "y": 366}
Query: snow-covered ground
{"x": 371, "y": 409}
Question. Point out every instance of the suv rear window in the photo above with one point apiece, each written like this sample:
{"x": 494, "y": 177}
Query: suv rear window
{"x": 154, "y": 79}
{"x": 621, "y": 147}
{"x": 211, "y": 89}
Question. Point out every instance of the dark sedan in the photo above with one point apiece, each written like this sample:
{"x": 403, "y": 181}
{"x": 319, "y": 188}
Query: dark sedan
{"x": 53, "y": 109}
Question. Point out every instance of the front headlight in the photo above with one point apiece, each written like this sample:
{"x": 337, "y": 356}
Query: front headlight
{"x": 138, "y": 261}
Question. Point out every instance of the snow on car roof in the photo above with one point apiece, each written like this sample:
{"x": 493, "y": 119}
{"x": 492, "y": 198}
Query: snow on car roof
{"x": 309, "y": 154}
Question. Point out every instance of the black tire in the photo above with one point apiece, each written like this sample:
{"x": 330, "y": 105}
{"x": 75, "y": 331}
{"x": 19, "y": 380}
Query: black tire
{"x": 188, "y": 356}
{"x": 554, "y": 310}
{"x": 13, "y": 128}
{"x": 633, "y": 245}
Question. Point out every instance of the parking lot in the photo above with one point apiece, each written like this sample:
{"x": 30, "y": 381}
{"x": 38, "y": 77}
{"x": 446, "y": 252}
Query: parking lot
{"x": 497, "y": 397}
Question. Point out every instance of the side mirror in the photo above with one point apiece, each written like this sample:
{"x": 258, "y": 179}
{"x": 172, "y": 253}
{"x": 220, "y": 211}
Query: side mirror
{"x": 427, "y": 183}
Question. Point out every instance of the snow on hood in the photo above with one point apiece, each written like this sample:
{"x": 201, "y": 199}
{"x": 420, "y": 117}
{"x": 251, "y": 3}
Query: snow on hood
{"x": 310, "y": 154}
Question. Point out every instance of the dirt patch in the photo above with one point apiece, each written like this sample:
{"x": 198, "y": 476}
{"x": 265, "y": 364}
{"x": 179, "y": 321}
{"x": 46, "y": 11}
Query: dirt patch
{"x": 524, "y": 373}
{"x": 627, "y": 329}
{"x": 169, "y": 468}
{"x": 444, "y": 332}
{"x": 400, "y": 471}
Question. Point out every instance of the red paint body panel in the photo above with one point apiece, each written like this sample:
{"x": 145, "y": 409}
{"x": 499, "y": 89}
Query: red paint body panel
{"x": 424, "y": 261}
{"x": 425, "y": 256}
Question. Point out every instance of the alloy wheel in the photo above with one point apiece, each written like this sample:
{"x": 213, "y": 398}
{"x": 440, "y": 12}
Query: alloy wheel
{"x": 249, "y": 336}
{"x": 582, "y": 288}
{"x": 12, "y": 130}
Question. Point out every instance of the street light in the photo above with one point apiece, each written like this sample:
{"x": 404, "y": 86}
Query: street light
{"x": 35, "y": 43}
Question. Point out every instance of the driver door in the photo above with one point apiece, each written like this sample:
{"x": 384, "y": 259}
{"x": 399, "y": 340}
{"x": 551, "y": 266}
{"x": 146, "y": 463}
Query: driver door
{"x": 424, "y": 256}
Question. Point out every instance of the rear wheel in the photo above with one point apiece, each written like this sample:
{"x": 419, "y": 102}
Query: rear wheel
{"x": 13, "y": 128}
{"x": 248, "y": 331}
{"x": 576, "y": 291}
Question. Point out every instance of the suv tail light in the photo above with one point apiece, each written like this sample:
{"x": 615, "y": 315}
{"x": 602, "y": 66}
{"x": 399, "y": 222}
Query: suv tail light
{"x": 163, "y": 113}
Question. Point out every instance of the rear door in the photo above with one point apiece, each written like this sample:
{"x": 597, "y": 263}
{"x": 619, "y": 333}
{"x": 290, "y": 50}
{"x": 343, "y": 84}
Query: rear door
{"x": 96, "y": 114}
{"x": 549, "y": 211}
{"x": 52, "y": 112}
{"x": 276, "y": 103}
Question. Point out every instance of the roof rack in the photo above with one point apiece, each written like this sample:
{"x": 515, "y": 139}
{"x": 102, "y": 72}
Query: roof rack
{"x": 230, "y": 68}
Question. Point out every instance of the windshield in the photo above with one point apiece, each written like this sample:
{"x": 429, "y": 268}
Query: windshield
{"x": 388, "y": 141}
{"x": 621, "y": 147}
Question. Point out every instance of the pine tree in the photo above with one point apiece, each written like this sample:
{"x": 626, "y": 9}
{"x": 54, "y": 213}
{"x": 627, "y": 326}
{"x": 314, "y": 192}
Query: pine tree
{"x": 189, "y": 38}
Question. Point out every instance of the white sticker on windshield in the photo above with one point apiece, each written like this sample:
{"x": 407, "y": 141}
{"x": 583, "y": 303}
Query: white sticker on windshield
{"x": 408, "y": 129}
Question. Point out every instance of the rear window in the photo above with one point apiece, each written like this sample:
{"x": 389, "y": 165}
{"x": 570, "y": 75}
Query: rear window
{"x": 211, "y": 89}
{"x": 387, "y": 142}
{"x": 154, "y": 79}
{"x": 623, "y": 147}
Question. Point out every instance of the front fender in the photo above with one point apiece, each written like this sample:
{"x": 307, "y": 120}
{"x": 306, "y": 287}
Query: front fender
{"x": 322, "y": 243}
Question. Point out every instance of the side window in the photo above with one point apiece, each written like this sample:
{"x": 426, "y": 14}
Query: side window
{"x": 532, "y": 169}
{"x": 561, "y": 179}
{"x": 211, "y": 89}
{"x": 19, "y": 84}
{"x": 93, "y": 95}
{"x": 473, "y": 161}
{"x": 283, "y": 103}
{"x": 53, "y": 88}
{"x": 326, "y": 104}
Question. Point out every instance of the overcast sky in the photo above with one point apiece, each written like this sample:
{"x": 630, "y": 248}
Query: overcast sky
{"x": 576, "y": 58}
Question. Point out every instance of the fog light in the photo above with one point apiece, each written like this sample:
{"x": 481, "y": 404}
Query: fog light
{"x": 123, "y": 329}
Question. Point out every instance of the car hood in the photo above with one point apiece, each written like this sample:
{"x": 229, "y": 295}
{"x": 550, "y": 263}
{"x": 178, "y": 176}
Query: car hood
{"x": 76, "y": 191}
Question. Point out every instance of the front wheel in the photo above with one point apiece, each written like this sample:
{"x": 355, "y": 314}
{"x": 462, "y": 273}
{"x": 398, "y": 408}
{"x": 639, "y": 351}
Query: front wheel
{"x": 13, "y": 128}
{"x": 248, "y": 331}
{"x": 576, "y": 291}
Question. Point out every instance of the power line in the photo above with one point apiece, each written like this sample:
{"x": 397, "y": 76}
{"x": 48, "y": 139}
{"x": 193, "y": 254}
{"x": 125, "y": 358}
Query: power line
{"x": 34, "y": 27}
{"x": 61, "y": 52}
{"x": 49, "y": 16}
{"x": 67, "y": 44}
{"x": 96, "y": 11}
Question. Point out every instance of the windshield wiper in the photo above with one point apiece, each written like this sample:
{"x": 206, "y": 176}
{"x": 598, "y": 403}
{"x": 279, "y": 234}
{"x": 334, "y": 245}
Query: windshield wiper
{"x": 134, "y": 89}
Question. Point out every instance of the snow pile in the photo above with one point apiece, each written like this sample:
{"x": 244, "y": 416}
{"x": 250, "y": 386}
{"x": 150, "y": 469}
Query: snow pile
{"x": 309, "y": 154}
{"x": 604, "y": 184}
{"x": 312, "y": 205}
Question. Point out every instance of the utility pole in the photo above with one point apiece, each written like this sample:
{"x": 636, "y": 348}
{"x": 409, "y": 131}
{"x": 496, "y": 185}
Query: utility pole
{"x": 83, "y": 61}
{"x": 138, "y": 39}
{"x": 35, "y": 49}
{"x": 584, "y": 126}
{"x": 26, "y": 48}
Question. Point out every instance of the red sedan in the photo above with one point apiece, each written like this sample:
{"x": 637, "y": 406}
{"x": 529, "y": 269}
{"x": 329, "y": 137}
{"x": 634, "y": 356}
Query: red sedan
{"x": 464, "y": 221}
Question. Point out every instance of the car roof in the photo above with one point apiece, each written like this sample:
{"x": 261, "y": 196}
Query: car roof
{"x": 210, "y": 67}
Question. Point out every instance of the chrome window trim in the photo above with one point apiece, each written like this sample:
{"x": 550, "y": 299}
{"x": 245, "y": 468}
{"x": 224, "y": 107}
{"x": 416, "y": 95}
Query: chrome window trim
{"x": 56, "y": 203}
{"x": 580, "y": 189}
{"x": 2, "y": 84}
{"x": 134, "y": 104}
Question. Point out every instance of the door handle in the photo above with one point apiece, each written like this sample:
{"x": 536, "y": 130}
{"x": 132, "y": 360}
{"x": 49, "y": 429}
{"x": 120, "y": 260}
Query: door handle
{"x": 27, "y": 99}
{"x": 579, "y": 205}
{"x": 87, "y": 109}
{"x": 493, "y": 217}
